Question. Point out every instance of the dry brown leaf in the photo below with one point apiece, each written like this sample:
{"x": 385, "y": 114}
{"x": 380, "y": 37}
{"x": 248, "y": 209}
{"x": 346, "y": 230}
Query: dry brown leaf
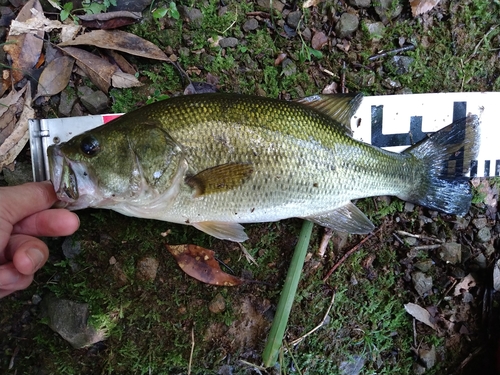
{"x": 120, "y": 41}
{"x": 465, "y": 284}
{"x": 10, "y": 107}
{"x": 200, "y": 264}
{"x": 123, "y": 80}
{"x": 38, "y": 22}
{"x": 319, "y": 40}
{"x": 14, "y": 144}
{"x": 110, "y": 20}
{"x": 55, "y": 76}
{"x": 422, "y": 6}
{"x": 419, "y": 313}
{"x": 311, "y": 3}
{"x": 24, "y": 49}
{"x": 97, "y": 69}
{"x": 117, "y": 59}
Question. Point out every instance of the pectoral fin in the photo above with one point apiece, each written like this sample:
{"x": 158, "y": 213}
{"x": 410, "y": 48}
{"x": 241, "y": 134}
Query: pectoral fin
{"x": 340, "y": 107}
{"x": 222, "y": 230}
{"x": 220, "y": 178}
{"x": 347, "y": 218}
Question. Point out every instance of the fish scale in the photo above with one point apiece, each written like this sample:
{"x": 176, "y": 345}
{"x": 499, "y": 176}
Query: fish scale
{"x": 216, "y": 160}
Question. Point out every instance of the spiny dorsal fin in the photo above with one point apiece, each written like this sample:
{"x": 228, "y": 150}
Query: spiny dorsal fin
{"x": 340, "y": 107}
{"x": 347, "y": 218}
{"x": 220, "y": 178}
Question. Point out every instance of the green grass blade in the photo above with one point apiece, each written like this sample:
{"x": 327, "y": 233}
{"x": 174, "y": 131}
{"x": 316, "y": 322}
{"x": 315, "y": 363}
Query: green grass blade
{"x": 280, "y": 321}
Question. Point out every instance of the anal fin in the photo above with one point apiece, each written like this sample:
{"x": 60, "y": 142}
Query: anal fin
{"x": 222, "y": 230}
{"x": 347, "y": 218}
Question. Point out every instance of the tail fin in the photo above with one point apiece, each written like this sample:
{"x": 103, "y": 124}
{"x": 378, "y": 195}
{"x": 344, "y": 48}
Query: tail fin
{"x": 447, "y": 156}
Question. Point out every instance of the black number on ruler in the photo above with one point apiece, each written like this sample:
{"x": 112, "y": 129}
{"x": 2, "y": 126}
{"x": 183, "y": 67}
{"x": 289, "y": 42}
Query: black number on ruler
{"x": 455, "y": 163}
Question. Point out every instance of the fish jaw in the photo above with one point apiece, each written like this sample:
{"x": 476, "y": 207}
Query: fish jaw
{"x": 72, "y": 182}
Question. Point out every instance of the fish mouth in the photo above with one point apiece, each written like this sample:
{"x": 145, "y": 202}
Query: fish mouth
{"x": 62, "y": 176}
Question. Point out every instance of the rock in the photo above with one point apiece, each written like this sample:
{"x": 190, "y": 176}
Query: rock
{"x": 480, "y": 222}
{"x": 409, "y": 207}
{"x": 461, "y": 223}
{"x": 402, "y": 63}
{"x": 361, "y": 3}
{"x": 428, "y": 357}
{"x": 422, "y": 284}
{"x": 347, "y": 25}
{"x": 147, "y": 268}
{"x": 293, "y": 19}
{"x": 424, "y": 265}
{"x": 66, "y": 103}
{"x": 306, "y": 34}
{"x": 71, "y": 248}
{"x": 266, "y": 4}
{"x": 192, "y": 15}
{"x": 410, "y": 241}
{"x": 484, "y": 235}
{"x": 218, "y": 304}
{"x": 36, "y": 299}
{"x": 319, "y": 40}
{"x": 289, "y": 67}
{"x": 387, "y": 11}
{"x": 77, "y": 110}
{"x": 70, "y": 320}
{"x": 95, "y": 102}
{"x": 480, "y": 261}
{"x": 451, "y": 252}
{"x": 228, "y": 42}
{"x": 391, "y": 83}
{"x": 352, "y": 366}
{"x": 22, "y": 173}
{"x": 250, "y": 25}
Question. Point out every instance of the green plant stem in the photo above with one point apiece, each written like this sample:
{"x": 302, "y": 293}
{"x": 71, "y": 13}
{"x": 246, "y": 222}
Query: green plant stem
{"x": 271, "y": 351}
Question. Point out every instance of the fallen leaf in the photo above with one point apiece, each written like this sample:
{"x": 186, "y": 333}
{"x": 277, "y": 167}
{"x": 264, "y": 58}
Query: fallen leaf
{"x": 14, "y": 144}
{"x": 422, "y": 6}
{"x": 38, "y": 22}
{"x": 116, "y": 59}
{"x": 120, "y": 41}
{"x": 69, "y": 31}
{"x": 123, "y": 80}
{"x": 311, "y": 3}
{"x": 419, "y": 313}
{"x": 200, "y": 88}
{"x": 10, "y": 107}
{"x": 466, "y": 283}
{"x": 55, "y": 76}
{"x": 96, "y": 68}
{"x": 110, "y": 20}
{"x": 200, "y": 264}
{"x": 319, "y": 40}
{"x": 24, "y": 49}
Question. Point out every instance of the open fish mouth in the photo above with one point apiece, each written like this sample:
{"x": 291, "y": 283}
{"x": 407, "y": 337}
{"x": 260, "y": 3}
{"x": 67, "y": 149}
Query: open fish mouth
{"x": 62, "y": 176}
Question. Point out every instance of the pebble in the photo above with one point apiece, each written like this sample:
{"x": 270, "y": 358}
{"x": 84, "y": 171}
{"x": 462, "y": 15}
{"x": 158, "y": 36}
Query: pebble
{"x": 386, "y": 11}
{"x": 293, "y": 19}
{"x": 461, "y": 223}
{"x": 361, "y": 3}
{"x": 250, "y": 25}
{"x": 484, "y": 235}
{"x": 409, "y": 207}
{"x": 192, "y": 15}
{"x": 402, "y": 63}
{"x": 424, "y": 265}
{"x": 422, "y": 283}
{"x": 347, "y": 25}
{"x": 66, "y": 103}
{"x": 147, "y": 268}
{"x": 289, "y": 67}
{"x": 390, "y": 83}
{"x": 95, "y": 101}
{"x": 480, "y": 222}
{"x": 451, "y": 252}
{"x": 228, "y": 42}
{"x": 375, "y": 29}
{"x": 218, "y": 304}
{"x": 481, "y": 261}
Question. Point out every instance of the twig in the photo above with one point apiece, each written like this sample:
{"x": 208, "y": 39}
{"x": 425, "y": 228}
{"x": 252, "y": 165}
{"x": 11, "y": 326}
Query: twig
{"x": 350, "y": 252}
{"x": 392, "y": 52}
{"x": 249, "y": 257}
{"x": 426, "y": 247}
{"x": 342, "y": 80}
{"x": 192, "y": 351}
{"x": 470, "y": 357}
{"x": 324, "y": 241}
{"x": 407, "y": 234}
{"x": 255, "y": 367}
{"x": 481, "y": 41}
{"x": 293, "y": 360}
{"x": 321, "y": 324}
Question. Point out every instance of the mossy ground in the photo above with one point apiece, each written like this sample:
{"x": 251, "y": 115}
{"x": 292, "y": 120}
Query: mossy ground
{"x": 150, "y": 323}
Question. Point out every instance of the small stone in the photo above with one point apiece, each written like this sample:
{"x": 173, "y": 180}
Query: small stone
{"x": 361, "y": 3}
{"x": 266, "y": 4}
{"x": 293, "y": 19}
{"x": 484, "y": 235}
{"x": 428, "y": 357}
{"x": 66, "y": 103}
{"x": 218, "y": 304}
{"x": 319, "y": 40}
{"x": 36, "y": 299}
{"x": 391, "y": 83}
{"x": 480, "y": 222}
{"x": 147, "y": 268}
{"x": 22, "y": 173}
{"x": 347, "y": 25}
{"x": 95, "y": 102}
{"x": 250, "y": 25}
{"x": 422, "y": 284}
{"x": 386, "y": 11}
{"x": 490, "y": 249}
{"x": 307, "y": 34}
{"x": 451, "y": 252}
{"x": 461, "y": 223}
{"x": 71, "y": 247}
{"x": 410, "y": 241}
{"x": 289, "y": 67}
{"x": 402, "y": 63}
{"x": 192, "y": 15}
{"x": 112, "y": 261}
{"x": 424, "y": 265}
{"x": 481, "y": 261}
{"x": 228, "y": 42}
{"x": 409, "y": 207}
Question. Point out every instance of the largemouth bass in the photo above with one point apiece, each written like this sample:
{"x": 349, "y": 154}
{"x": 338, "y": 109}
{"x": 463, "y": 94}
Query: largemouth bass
{"x": 215, "y": 161}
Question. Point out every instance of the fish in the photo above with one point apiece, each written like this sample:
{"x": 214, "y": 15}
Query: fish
{"x": 216, "y": 161}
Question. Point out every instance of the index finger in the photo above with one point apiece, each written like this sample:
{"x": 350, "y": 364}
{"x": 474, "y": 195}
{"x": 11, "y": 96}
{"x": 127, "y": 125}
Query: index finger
{"x": 24, "y": 200}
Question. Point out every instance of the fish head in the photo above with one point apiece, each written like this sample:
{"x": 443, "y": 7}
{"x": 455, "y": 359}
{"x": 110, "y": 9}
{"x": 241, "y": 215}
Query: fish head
{"x": 113, "y": 164}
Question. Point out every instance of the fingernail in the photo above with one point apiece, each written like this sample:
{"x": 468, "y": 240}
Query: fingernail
{"x": 8, "y": 276}
{"x": 36, "y": 257}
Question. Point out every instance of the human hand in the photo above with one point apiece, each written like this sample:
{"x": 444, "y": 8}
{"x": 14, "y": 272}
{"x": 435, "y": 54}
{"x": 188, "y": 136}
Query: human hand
{"x": 25, "y": 213}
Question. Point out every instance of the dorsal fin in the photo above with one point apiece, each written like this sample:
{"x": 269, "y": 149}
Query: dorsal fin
{"x": 340, "y": 107}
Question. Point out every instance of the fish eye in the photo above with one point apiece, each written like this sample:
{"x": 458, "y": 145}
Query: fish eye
{"x": 90, "y": 145}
